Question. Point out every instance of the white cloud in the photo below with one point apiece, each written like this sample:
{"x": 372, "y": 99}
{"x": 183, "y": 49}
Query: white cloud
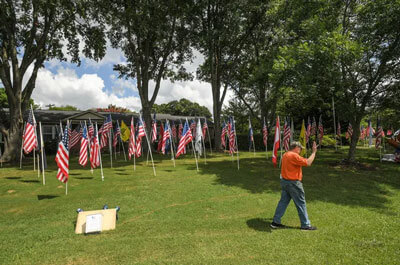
{"x": 112, "y": 56}
{"x": 120, "y": 86}
{"x": 85, "y": 92}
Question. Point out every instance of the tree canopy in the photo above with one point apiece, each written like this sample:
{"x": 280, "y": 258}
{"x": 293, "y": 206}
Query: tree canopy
{"x": 183, "y": 107}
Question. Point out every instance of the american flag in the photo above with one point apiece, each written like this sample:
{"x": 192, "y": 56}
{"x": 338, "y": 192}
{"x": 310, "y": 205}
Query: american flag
{"x": 173, "y": 129}
{"x": 185, "y": 139}
{"x": 83, "y": 153}
{"x": 165, "y": 138}
{"x": 362, "y": 132}
{"x": 141, "y": 133}
{"x": 277, "y": 142}
{"x": 90, "y": 130}
{"x": 30, "y": 139}
{"x": 389, "y": 132}
{"x": 107, "y": 126}
{"x": 320, "y": 129}
{"x": 62, "y": 157}
{"x": 232, "y": 131}
{"x": 132, "y": 146}
{"x": 116, "y": 135}
{"x": 95, "y": 150}
{"x": 339, "y": 130}
{"x": 154, "y": 129}
{"x": 180, "y": 129}
{"x": 370, "y": 132}
{"x": 205, "y": 128}
{"x": 103, "y": 137}
{"x": 223, "y": 134}
{"x": 161, "y": 136}
{"x": 308, "y": 131}
{"x": 75, "y": 136}
{"x": 286, "y": 135}
{"x": 349, "y": 132}
{"x": 379, "y": 131}
{"x": 313, "y": 127}
{"x": 193, "y": 126}
{"x": 251, "y": 136}
{"x": 265, "y": 133}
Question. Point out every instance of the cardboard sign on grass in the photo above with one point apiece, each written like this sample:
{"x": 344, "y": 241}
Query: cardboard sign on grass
{"x": 108, "y": 220}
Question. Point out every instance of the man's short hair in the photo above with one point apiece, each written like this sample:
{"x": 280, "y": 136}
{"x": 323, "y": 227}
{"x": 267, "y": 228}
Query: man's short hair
{"x": 293, "y": 145}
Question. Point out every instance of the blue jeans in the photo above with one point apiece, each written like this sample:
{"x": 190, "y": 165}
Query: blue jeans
{"x": 292, "y": 189}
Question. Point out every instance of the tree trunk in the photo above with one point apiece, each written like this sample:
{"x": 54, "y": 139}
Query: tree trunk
{"x": 13, "y": 137}
{"x": 354, "y": 140}
{"x": 217, "y": 125}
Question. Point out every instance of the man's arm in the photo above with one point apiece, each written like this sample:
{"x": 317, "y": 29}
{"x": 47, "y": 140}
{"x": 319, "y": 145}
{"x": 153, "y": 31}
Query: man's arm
{"x": 310, "y": 160}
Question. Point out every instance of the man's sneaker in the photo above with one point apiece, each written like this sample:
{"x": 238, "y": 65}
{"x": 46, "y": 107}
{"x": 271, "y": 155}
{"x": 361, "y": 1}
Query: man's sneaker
{"x": 308, "y": 228}
{"x": 276, "y": 225}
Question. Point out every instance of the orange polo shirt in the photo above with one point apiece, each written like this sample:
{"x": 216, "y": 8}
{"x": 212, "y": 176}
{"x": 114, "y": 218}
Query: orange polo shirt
{"x": 291, "y": 166}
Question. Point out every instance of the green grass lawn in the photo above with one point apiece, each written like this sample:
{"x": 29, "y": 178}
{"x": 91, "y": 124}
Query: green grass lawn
{"x": 217, "y": 216}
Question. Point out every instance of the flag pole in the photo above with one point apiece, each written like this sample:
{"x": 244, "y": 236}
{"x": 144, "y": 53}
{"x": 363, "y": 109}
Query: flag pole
{"x": 334, "y": 122}
{"x": 280, "y": 143}
{"x": 101, "y": 162}
{"x": 41, "y": 150}
{"x": 237, "y": 145}
{"x": 38, "y": 171}
{"x": 91, "y": 169}
{"x": 148, "y": 144}
{"x": 209, "y": 138}
{"x": 172, "y": 143}
{"x": 66, "y": 183}
{"x": 34, "y": 150}
{"x": 266, "y": 140}
{"x": 22, "y": 145}
{"x": 204, "y": 145}
{"x": 110, "y": 145}
{"x": 194, "y": 152}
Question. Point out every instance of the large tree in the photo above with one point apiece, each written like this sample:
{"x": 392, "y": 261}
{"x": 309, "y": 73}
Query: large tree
{"x": 155, "y": 40}
{"x": 32, "y": 32}
{"x": 183, "y": 107}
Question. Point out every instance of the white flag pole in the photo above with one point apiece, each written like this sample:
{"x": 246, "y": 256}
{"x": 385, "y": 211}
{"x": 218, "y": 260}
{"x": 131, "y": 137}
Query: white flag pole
{"x": 101, "y": 162}
{"x": 194, "y": 151}
{"x": 66, "y": 183}
{"x": 209, "y": 138}
{"x": 204, "y": 145}
{"x": 148, "y": 144}
{"x": 254, "y": 145}
{"x": 280, "y": 142}
{"x": 87, "y": 131}
{"x": 110, "y": 145}
{"x": 237, "y": 145}
{"x": 171, "y": 143}
{"x": 22, "y": 146}
{"x": 34, "y": 150}
{"x": 42, "y": 151}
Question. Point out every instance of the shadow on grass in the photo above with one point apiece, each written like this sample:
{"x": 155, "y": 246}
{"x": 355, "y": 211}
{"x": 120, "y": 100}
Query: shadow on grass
{"x": 13, "y": 177}
{"x": 29, "y": 181}
{"x": 75, "y": 174}
{"x": 83, "y": 177}
{"x": 48, "y": 197}
{"x": 263, "y": 225}
{"x": 355, "y": 188}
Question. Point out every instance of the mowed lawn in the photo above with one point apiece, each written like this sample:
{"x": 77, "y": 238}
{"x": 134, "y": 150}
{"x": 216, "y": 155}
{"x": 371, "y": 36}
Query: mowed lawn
{"x": 220, "y": 215}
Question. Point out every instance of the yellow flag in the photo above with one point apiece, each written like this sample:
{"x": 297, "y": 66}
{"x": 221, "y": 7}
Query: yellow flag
{"x": 302, "y": 139}
{"x": 125, "y": 133}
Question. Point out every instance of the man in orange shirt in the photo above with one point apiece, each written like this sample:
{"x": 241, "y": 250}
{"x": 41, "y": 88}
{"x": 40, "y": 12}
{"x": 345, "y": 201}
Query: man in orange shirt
{"x": 292, "y": 188}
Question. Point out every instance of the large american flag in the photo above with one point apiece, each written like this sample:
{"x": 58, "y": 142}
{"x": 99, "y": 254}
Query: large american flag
{"x": 116, "y": 135}
{"x": 378, "y": 134}
{"x": 95, "y": 149}
{"x": 141, "y": 134}
{"x": 308, "y": 130}
{"x": 75, "y": 136}
{"x": 62, "y": 157}
{"x": 265, "y": 133}
{"x": 83, "y": 152}
{"x": 286, "y": 135}
{"x": 349, "y": 132}
{"x": 320, "y": 129}
{"x": 223, "y": 134}
{"x": 165, "y": 138}
{"x": 30, "y": 139}
{"x": 205, "y": 127}
{"x": 132, "y": 145}
{"x": 154, "y": 129}
{"x": 105, "y": 130}
{"x": 232, "y": 132}
{"x": 185, "y": 139}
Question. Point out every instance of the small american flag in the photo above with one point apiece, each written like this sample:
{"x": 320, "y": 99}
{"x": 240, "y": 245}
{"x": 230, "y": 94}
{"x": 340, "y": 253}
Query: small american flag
{"x": 362, "y": 132}
{"x": 313, "y": 127}
{"x": 265, "y": 133}
{"x": 173, "y": 129}
{"x": 180, "y": 129}
{"x": 116, "y": 135}
{"x": 232, "y": 145}
{"x": 30, "y": 139}
{"x": 185, "y": 139}
{"x": 141, "y": 133}
{"x": 193, "y": 126}
{"x": 251, "y": 136}
{"x": 90, "y": 131}
{"x": 62, "y": 157}
{"x": 286, "y": 135}
{"x": 107, "y": 126}
{"x": 132, "y": 146}
{"x": 378, "y": 134}
{"x": 75, "y": 136}
{"x": 95, "y": 150}
{"x": 165, "y": 137}
{"x": 277, "y": 142}
{"x": 154, "y": 129}
{"x": 308, "y": 131}
{"x": 83, "y": 153}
